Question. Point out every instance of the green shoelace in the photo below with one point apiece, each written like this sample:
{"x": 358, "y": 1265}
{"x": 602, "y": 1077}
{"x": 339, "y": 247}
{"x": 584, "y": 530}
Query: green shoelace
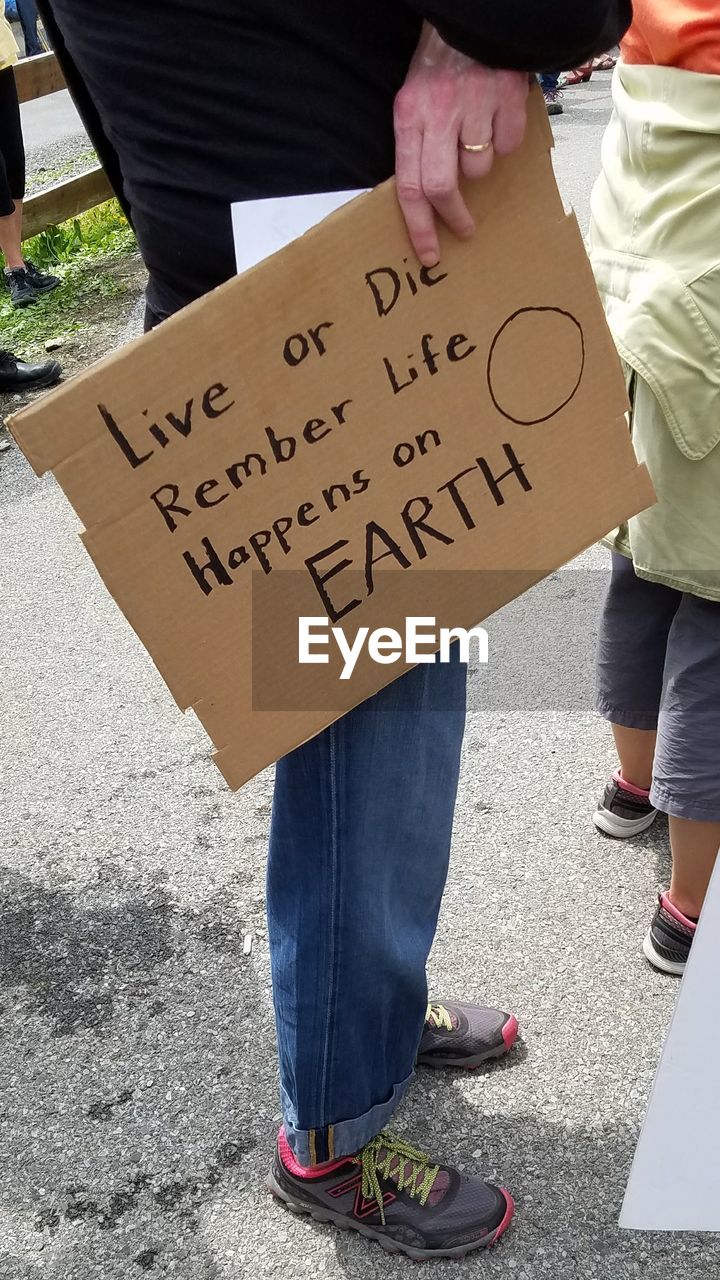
{"x": 438, "y": 1016}
{"x": 396, "y": 1160}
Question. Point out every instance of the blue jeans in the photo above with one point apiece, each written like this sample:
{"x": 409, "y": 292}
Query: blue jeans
{"x": 28, "y": 16}
{"x": 549, "y": 81}
{"x": 359, "y": 849}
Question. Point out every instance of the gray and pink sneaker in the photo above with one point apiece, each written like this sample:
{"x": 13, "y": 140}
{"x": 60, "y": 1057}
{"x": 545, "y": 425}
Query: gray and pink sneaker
{"x": 669, "y": 938}
{"x": 465, "y": 1035}
{"x": 392, "y": 1193}
{"x": 625, "y": 810}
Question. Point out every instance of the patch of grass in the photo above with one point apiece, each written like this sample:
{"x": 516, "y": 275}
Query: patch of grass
{"x": 101, "y": 231}
{"x": 83, "y": 253}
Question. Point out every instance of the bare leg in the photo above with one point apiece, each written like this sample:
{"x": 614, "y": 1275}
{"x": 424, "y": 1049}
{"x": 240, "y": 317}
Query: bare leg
{"x": 636, "y": 750}
{"x": 10, "y": 238}
{"x": 18, "y": 216}
{"x": 694, "y": 850}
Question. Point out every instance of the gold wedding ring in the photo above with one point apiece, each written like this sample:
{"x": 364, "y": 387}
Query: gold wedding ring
{"x": 476, "y": 147}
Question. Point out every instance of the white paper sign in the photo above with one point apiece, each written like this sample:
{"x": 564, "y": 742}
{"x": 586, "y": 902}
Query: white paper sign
{"x": 675, "y": 1179}
{"x": 261, "y": 227}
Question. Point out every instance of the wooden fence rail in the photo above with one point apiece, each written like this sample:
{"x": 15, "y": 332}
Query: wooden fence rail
{"x": 36, "y": 78}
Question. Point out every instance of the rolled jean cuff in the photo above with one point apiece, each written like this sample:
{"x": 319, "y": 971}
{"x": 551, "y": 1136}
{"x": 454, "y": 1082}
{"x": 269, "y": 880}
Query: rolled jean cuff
{"x": 628, "y": 719}
{"x": 678, "y": 806}
{"x": 315, "y": 1146}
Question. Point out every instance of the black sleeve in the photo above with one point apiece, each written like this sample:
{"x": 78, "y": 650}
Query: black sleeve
{"x": 529, "y": 35}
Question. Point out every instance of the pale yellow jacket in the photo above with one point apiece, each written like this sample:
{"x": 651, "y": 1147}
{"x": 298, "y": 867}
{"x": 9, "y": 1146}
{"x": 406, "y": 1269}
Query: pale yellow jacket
{"x": 655, "y": 249}
{"x": 8, "y": 45}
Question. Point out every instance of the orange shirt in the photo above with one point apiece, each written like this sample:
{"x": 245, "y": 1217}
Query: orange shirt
{"x": 675, "y": 33}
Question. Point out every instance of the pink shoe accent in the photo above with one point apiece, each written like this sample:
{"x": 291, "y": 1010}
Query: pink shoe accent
{"x": 675, "y": 912}
{"x": 298, "y": 1170}
{"x": 630, "y": 786}
{"x": 509, "y": 1213}
{"x": 510, "y": 1031}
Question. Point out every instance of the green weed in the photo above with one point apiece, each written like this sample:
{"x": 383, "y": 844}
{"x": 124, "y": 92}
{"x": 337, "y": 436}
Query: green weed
{"x": 79, "y": 252}
{"x": 103, "y": 230}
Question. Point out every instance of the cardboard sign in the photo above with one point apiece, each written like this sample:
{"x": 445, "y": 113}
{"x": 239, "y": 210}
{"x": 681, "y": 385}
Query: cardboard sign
{"x": 340, "y": 432}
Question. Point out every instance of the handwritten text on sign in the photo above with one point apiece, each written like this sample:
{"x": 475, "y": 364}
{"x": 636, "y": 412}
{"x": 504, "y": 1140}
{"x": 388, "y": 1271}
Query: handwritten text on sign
{"x": 452, "y": 507}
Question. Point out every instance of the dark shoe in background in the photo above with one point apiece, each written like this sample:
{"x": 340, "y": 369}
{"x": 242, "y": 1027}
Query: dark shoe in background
{"x": 22, "y": 291}
{"x": 41, "y": 281}
{"x": 16, "y": 375}
{"x": 552, "y": 102}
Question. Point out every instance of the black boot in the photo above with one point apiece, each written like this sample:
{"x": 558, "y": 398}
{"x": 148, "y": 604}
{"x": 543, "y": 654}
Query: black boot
{"x": 15, "y": 375}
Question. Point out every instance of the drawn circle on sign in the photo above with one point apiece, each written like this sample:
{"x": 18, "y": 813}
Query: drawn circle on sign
{"x": 558, "y": 339}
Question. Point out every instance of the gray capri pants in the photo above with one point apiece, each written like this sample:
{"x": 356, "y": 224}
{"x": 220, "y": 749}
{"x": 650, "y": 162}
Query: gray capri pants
{"x": 658, "y": 667}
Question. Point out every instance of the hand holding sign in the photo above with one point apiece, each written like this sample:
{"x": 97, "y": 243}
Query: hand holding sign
{"x": 447, "y": 100}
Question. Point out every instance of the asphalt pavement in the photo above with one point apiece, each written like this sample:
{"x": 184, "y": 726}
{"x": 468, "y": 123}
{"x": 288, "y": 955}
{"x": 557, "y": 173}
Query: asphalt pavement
{"x": 138, "y": 1090}
{"x": 52, "y": 119}
{"x": 56, "y": 144}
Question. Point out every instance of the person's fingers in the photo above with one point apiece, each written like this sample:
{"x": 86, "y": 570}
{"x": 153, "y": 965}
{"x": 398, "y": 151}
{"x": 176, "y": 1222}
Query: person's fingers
{"x": 432, "y": 117}
{"x": 511, "y": 114}
{"x": 420, "y": 222}
{"x": 440, "y": 170}
{"x": 416, "y": 208}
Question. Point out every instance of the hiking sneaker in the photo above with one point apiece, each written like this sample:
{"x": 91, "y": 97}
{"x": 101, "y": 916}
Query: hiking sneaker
{"x": 465, "y": 1035}
{"x": 41, "y": 281}
{"x": 553, "y": 102}
{"x": 19, "y": 284}
{"x": 394, "y": 1194}
{"x": 668, "y": 942}
{"x": 625, "y": 810}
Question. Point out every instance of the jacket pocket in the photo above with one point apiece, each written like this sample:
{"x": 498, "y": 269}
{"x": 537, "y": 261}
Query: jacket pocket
{"x": 669, "y": 333}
